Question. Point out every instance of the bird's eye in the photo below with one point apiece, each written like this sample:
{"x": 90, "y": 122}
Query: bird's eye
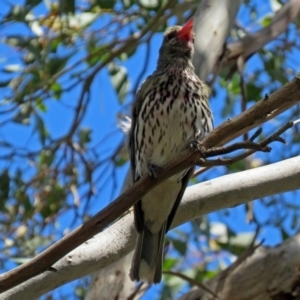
{"x": 170, "y": 36}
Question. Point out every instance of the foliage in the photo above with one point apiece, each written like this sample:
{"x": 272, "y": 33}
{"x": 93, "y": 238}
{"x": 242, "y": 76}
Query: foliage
{"x": 56, "y": 165}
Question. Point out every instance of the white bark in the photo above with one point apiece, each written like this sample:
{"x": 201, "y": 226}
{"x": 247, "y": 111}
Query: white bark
{"x": 267, "y": 274}
{"x": 112, "y": 282}
{"x": 119, "y": 239}
{"x": 212, "y": 24}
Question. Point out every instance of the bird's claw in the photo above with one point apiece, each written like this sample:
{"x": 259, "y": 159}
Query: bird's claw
{"x": 196, "y": 144}
{"x": 152, "y": 170}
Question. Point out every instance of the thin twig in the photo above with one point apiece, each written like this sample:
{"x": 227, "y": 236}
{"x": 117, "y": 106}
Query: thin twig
{"x": 192, "y": 282}
{"x": 262, "y": 146}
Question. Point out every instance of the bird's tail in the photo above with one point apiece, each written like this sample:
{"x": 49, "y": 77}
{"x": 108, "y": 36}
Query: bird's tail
{"x": 148, "y": 256}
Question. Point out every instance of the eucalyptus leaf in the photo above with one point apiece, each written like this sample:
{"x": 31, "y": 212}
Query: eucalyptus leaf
{"x": 41, "y": 129}
{"x": 120, "y": 80}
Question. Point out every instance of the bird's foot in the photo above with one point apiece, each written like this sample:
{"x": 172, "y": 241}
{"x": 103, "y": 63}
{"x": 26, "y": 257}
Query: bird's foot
{"x": 196, "y": 144}
{"x": 153, "y": 169}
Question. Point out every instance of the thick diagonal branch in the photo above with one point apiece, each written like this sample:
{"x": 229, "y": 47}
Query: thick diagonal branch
{"x": 119, "y": 239}
{"x": 280, "y": 100}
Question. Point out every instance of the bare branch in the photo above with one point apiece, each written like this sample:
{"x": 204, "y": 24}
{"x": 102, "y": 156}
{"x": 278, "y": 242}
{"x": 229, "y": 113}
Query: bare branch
{"x": 252, "y": 42}
{"x": 200, "y": 199}
{"x": 192, "y": 282}
{"x": 262, "y": 146}
{"x": 278, "y": 280}
{"x": 284, "y": 98}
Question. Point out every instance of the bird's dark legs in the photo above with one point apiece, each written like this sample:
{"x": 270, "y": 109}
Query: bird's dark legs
{"x": 153, "y": 169}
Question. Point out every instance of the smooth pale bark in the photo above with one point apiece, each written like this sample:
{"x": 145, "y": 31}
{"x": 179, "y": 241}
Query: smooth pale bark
{"x": 113, "y": 282}
{"x": 267, "y": 274}
{"x": 119, "y": 239}
{"x": 213, "y": 21}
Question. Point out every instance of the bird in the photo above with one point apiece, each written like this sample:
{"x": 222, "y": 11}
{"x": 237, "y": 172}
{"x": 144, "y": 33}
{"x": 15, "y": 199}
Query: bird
{"x": 170, "y": 112}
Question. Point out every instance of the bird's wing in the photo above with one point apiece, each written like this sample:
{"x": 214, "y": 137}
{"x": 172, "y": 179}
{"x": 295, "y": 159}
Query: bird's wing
{"x": 184, "y": 182}
{"x": 138, "y": 213}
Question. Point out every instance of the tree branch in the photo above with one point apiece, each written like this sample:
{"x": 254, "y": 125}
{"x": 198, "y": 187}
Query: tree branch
{"x": 285, "y": 97}
{"x": 278, "y": 280}
{"x": 252, "y": 42}
{"x": 262, "y": 146}
{"x": 119, "y": 239}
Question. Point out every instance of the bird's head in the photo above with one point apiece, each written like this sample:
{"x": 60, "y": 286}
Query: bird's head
{"x": 178, "y": 44}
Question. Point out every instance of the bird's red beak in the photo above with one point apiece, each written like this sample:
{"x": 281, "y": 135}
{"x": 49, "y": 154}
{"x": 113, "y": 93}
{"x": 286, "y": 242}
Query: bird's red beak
{"x": 186, "y": 31}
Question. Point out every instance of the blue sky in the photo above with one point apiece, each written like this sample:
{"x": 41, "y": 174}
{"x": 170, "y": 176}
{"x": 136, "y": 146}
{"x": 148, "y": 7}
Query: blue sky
{"x": 101, "y": 117}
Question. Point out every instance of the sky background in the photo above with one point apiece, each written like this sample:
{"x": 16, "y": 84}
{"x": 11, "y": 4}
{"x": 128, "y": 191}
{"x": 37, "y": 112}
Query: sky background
{"x": 101, "y": 117}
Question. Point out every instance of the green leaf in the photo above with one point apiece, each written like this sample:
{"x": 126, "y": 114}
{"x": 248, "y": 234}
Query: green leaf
{"x": 96, "y": 53}
{"x": 128, "y": 3}
{"x": 24, "y": 200}
{"x": 284, "y": 234}
{"x": 84, "y": 136}
{"x": 23, "y": 116}
{"x": 236, "y": 244}
{"x": 13, "y": 68}
{"x": 15, "y": 40}
{"x": 67, "y": 6}
{"x": 41, "y": 129}
{"x": 106, "y": 4}
{"x": 17, "y": 13}
{"x": 56, "y": 64}
{"x": 35, "y": 242}
{"x": 119, "y": 79}
{"x": 120, "y": 160}
{"x": 4, "y": 83}
{"x": 253, "y": 92}
{"x": 4, "y": 188}
{"x": 149, "y": 4}
{"x": 295, "y": 221}
{"x": 204, "y": 275}
{"x": 237, "y": 166}
{"x": 234, "y": 86}
{"x": 46, "y": 158}
{"x": 33, "y": 2}
{"x": 56, "y": 88}
{"x": 40, "y": 105}
{"x": 169, "y": 263}
{"x": 20, "y": 260}
{"x": 83, "y": 20}
{"x": 55, "y": 196}
{"x": 266, "y": 21}
{"x": 179, "y": 246}
{"x": 28, "y": 207}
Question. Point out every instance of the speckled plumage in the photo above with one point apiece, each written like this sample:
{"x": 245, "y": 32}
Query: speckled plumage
{"x": 170, "y": 111}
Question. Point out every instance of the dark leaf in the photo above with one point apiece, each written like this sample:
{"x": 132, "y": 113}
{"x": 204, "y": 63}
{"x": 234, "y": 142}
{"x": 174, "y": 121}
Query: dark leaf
{"x": 67, "y": 6}
{"x": 46, "y": 158}
{"x": 253, "y": 92}
{"x": 106, "y": 4}
{"x": 119, "y": 79}
{"x": 179, "y": 246}
{"x": 169, "y": 263}
{"x": 56, "y": 88}
{"x": 84, "y": 136}
{"x": 4, "y": 188}
{"x": 56, "y": 64}
{"x": 41, "y": 129}
{"x": 33, "y": 3}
